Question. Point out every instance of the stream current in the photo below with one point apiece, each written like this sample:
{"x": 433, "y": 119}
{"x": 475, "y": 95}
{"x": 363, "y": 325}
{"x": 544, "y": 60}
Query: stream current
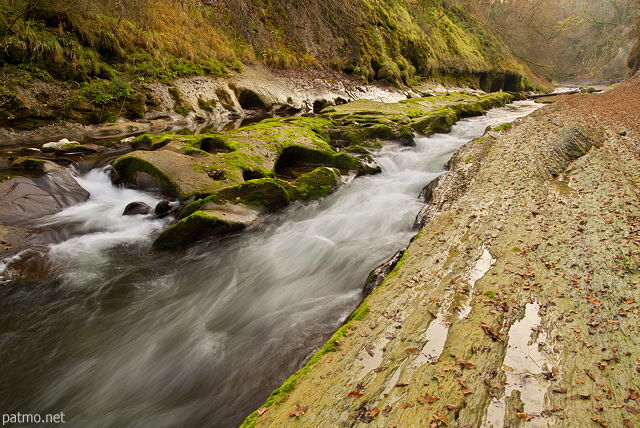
{"x": 116, "y": 334}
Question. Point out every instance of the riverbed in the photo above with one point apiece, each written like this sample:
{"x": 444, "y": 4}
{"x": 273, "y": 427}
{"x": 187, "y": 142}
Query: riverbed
{"x": 119, "y": 335}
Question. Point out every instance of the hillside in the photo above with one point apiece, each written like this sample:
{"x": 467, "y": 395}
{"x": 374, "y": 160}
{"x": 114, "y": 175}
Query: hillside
{"x": 90, "y": 61}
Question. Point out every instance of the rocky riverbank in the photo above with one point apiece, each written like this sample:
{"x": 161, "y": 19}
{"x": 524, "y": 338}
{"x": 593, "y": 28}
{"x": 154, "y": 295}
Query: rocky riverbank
{"x": 517, "y": 304}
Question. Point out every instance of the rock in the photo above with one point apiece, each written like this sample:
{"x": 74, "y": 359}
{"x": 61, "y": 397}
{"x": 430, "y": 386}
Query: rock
{"x": 57, "y": 145}
{"x": 163, "y": 208}
{"x": 137, "y": 208}
{"x": 377, "y": 276}
{"x": 427, "y": 192}
{"x": 26, "y": 199}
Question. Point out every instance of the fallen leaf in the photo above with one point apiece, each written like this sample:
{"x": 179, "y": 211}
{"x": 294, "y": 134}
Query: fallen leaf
{"x": 463, "y": 383}
{"x": 427, "y": 399}
{"x": 442, "y": 418}
{"x": 561, "y": 390}
{"x": 627, "y": 423}
{"x": 506, "y": 368}
{"x": 372, "y": 413}
{"x": 412, "y": 351}
{"x": 401, "y": 384}
{"x": 522, "y": 415}
{"x": 387, "y": 409}
{"x": 298, "y": 411}
{"x": 633, "y": 395}
{"x": 632, "y": 410}
{"x": 617, "y": 406}
{"x": 579, "y": 381}
{"x": 405, "y": 405}
{"x": 467, "y": 391}
{"x": 489, "y": 331}
{"x": 600, "y": 421}
{"x": 452, "y": 407}
{"x": 262, "y": 410}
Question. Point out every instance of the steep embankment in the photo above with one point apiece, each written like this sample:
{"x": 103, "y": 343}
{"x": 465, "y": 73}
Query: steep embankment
{"x": 517, "y": 303}
{"x": 90, "y": 62}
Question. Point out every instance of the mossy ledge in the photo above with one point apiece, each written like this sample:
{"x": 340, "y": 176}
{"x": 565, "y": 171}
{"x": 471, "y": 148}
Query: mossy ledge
{"x": 364, "y": 122}
{"x": 213, "y": 214}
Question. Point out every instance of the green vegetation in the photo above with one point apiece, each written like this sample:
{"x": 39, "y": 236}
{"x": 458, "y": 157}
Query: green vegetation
{"x": 91, "y": 61}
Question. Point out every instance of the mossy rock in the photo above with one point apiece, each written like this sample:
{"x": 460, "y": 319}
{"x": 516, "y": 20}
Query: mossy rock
{"x": 318, "y": 183}
{"x": 196, "y": 226}
{"x": 269, "y": 193}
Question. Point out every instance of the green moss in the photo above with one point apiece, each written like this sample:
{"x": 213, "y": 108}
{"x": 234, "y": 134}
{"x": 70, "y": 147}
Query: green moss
{"x": 129, "y": 166}
{"x": 192, "y": 228}
{"x": 316, "y": 184}
{"x": 270, "y": 193}
{"x": 181, "y": 105}
{"x": 503, "y": 127}
{"x": 490, "y": 294}
{"x": 28, "y": 163}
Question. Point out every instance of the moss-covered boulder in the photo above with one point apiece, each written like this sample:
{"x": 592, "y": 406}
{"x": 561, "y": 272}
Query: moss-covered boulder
{"x": 199, "y": 166}
{"x": 316, "y": 184}
{"x": 236, "y": 207}
{"x": 199, "y": 225}
{"x": 364, "y": 122}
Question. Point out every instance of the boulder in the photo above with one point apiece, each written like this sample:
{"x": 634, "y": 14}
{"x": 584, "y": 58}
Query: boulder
{"x": 25, "y": 199}
{"x": 163, "y": 208}
{"x": 137, "y": 208}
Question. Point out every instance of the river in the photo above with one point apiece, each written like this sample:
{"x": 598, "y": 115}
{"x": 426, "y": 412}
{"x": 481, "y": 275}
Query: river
{"x": 117, "y": 334}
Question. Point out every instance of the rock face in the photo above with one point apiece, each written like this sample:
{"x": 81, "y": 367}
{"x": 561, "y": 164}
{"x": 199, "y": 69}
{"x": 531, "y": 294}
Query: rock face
{"x": 137, "y": 208}
{"x": 516, "y": 304}
{"x": 25, "y": 199}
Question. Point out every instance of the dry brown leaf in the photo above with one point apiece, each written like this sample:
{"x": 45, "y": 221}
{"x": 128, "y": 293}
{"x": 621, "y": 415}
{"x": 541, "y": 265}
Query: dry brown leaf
{"x": 600, "y": 421}
{"x": 427, "y": 399}
{"x": 489, "y": 331}
{"x": 412, "y": 351}
{"x": 632, "y": 395}
{"x": 372, "y": 413}
{"x": 522, "y": 415}
{"x": 442, "y": 418}
{"x": 298, "y": 411}
{"x": 405, "y": 405}
{"x": 262, "y": 410}
{"x": 463, "y": 383}
{"x": 627, "y": 423}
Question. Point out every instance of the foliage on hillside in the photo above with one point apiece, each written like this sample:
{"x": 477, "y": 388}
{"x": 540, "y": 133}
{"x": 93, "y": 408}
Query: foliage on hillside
{"x": 393, "y": 40}
{"x": 89, "y": 60}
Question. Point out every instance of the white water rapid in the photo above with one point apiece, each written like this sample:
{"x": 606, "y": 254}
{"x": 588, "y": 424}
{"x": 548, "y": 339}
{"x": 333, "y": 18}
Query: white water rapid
{"x": 120, "y": 335}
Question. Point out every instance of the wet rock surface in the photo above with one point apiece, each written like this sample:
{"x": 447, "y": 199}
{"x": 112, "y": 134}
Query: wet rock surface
{"x": 27, "y": 198}
{"x": 517, "y": 304}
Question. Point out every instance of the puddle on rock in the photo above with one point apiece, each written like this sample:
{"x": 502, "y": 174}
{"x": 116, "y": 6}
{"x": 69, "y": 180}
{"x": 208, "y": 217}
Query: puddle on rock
{"x": 524, "y": 366}
{"x": 438, "y": 330}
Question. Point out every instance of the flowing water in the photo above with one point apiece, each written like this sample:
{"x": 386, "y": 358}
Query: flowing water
{"x": 119, "y": 335}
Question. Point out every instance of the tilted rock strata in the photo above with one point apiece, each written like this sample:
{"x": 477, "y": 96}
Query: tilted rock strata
{"x": 518, "y": 301}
